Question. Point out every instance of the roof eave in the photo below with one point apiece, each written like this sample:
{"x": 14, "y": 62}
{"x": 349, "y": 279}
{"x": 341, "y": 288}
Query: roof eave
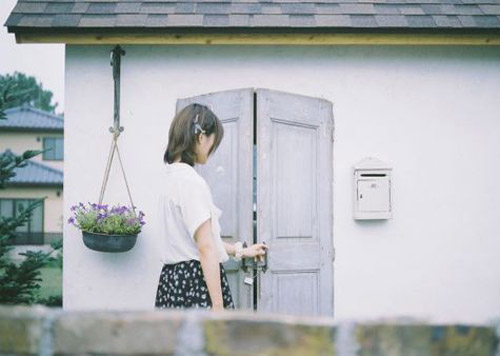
{"x": 33, "y": 185}
{"x": 260, "y": 35}
{"x": 31, "y": 129}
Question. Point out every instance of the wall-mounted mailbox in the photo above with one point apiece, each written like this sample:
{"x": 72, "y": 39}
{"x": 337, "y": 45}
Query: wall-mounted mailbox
{"x": 372, "y": 190}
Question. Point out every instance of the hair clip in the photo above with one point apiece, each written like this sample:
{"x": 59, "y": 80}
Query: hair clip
{"x": 197, "y": 126}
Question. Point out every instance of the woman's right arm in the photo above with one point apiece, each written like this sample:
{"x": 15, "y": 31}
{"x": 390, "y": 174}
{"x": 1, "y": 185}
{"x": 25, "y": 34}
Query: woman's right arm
{"x": 209, "y": 259}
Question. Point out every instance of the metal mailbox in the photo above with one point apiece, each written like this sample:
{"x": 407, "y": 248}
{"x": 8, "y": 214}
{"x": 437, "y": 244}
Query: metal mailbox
{"x": 372, "y": 190}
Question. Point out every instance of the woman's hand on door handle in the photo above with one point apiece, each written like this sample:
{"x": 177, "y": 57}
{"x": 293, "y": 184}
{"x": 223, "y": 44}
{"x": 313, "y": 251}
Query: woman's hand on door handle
{"x": 256, "y": 250}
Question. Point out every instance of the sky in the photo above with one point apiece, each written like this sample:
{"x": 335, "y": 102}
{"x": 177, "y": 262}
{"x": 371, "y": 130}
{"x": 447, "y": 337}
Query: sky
{"x": 45, "y": 62}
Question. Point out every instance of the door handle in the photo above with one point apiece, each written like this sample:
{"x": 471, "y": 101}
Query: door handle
{"x": 254, "y": 265}
{"x": 264, "y": 267}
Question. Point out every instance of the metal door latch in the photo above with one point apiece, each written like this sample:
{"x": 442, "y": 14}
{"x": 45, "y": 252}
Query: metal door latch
{"x": 254, "y": 265}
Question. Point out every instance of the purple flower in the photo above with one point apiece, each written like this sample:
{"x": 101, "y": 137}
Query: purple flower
{"x": 116, "y": 210}
{"x": 122, "y": 214}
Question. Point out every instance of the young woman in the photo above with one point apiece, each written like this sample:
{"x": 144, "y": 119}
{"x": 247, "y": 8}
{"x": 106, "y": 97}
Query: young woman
{"x": 192, "y": 249}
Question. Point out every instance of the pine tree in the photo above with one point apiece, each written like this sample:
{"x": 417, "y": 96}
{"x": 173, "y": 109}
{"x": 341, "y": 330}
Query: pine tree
{"x": 19, "y": 283}
{"x": 19, "y": 89}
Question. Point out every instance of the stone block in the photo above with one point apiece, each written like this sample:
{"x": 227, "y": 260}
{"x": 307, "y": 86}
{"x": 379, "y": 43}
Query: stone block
{"x": 21, "y": 329}
{"x": 425, "y": 340}
{"x": 247, "y": 334}
{"x": 119, "y": 333}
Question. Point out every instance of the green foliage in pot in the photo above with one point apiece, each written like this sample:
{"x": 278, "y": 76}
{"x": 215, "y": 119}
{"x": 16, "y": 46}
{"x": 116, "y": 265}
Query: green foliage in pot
{"x": 97, "y": 218}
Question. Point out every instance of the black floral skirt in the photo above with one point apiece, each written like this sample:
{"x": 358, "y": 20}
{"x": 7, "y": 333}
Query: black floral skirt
{"x": 182, "y": 285}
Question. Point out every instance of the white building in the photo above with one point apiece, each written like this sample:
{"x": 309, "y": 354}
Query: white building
{"x": 415, "y": 85}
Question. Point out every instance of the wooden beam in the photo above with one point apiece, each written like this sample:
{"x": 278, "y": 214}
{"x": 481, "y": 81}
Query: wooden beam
{"x": 259, "y": 38}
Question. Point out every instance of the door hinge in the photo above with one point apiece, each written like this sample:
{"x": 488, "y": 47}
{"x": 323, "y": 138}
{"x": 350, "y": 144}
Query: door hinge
{"x": 333, "y": 254}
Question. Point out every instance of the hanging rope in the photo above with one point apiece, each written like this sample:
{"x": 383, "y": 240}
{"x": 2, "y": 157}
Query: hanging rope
{"x": 114, "y": 146}
{"x": 116, "y": 54}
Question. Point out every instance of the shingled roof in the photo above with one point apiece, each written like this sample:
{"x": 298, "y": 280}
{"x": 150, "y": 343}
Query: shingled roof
{"x": 35, "y": 174}
{"x": 27, "y": 118}
{"x": 248, "y": 14}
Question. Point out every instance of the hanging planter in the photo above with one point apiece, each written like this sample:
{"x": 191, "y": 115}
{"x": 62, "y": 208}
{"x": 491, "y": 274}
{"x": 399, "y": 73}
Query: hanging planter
{"x": 108, "y": 243}
{"x": 115, "y": 229}
{"x": 107, "y": 230}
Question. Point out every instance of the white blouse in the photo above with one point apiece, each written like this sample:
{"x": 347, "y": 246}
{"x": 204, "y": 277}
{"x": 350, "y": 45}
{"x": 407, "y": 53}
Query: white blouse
{"x": 184, "y": 203}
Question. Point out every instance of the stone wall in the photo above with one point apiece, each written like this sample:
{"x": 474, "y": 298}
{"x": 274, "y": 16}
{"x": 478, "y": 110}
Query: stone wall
{"x": 52, "y": 331}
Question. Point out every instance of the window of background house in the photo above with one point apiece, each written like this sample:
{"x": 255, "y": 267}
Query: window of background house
{"x": 55, "y": 148}
{"x": 32, "y": 232}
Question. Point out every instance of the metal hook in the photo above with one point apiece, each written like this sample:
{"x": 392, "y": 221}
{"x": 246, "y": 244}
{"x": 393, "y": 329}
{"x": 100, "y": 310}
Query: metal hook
{"x": 115, "y": 61}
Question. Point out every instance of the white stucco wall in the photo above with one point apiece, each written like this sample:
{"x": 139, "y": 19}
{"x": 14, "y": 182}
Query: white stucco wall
{"x": 432, "y": 113}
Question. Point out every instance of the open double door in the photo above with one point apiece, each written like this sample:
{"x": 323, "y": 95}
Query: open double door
{"x": 272, "y": 176}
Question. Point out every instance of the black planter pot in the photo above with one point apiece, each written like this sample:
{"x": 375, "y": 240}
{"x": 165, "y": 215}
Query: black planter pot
{"x": 108, "y": 243}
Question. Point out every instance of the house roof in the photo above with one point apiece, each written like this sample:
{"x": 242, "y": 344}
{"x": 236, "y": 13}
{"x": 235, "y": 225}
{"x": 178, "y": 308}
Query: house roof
{"x": 371, "y": 14}
{"x": 270, "y": 22}
{"x": 27, "y": 118}
{"x": 35, "y": 174}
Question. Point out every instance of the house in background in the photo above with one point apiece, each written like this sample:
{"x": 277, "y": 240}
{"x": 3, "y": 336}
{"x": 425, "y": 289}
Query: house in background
{"x": 28, "y": 128}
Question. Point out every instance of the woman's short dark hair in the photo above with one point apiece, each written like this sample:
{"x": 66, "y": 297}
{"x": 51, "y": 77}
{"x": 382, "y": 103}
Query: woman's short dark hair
{"x": 183, "y": 133}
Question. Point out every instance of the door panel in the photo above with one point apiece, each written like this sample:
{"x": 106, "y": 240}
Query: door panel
{"x": 229, "y": 174}
{"x": 294, "y": 202}
{"x": 294, "y": 185}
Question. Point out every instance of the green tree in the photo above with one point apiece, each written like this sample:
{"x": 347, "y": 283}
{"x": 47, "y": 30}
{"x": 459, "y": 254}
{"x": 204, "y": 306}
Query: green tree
{"x": 19, "y": 284}
{"x": 19, "y": 89}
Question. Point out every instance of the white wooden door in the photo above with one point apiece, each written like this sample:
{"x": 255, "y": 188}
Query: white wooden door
{"x": 295, "y": 202}
{"x": 290, "y": 158}
{"x": 229, "y": 174}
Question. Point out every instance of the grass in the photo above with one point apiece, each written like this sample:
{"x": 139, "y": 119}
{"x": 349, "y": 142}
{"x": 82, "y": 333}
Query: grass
{"x": 51, "y": 284}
